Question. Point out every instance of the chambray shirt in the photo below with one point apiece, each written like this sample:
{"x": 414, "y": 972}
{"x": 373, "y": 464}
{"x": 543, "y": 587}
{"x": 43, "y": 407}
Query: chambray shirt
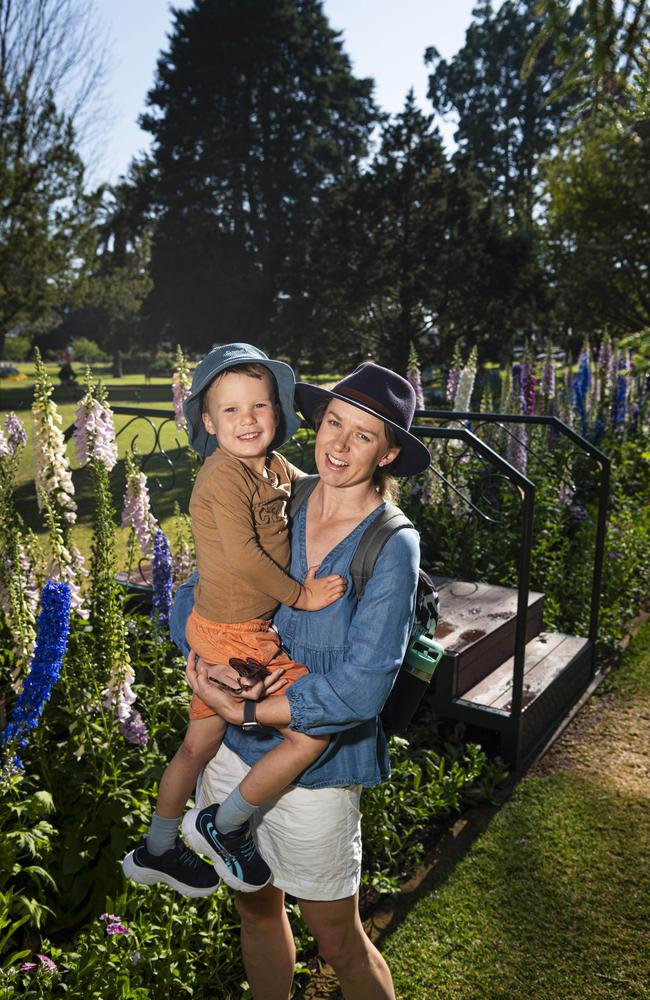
{"x": 353, "y": 650}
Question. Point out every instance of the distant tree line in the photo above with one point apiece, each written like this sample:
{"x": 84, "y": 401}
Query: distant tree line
{"x": 280, "y": 205}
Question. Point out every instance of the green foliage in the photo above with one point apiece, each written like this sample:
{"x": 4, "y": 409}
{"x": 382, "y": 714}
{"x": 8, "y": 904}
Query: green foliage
{"x": 87, "y": 351}
{"x": 598, "y": 226}
{"x": 425, "y": 784}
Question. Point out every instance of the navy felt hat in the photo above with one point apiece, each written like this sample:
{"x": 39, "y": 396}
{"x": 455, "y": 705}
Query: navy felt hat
{"x": 219, "y": 360}
{"x": 383, "y": 393}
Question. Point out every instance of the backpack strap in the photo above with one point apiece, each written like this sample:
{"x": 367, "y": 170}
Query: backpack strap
{"x": 372, "y": 542}
{"x": 302, "y": 489}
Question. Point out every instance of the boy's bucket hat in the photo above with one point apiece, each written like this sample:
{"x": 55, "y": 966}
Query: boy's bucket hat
{"x": 383, "y": 393}
{"x": 218, "y": 360}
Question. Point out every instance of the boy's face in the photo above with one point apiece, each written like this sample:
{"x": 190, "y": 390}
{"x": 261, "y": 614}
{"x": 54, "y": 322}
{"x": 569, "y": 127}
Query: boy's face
{"x": 240, "y": 412}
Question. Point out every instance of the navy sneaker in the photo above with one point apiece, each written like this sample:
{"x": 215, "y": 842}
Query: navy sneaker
{"x": 179, "y": 867}
{"x": 235, "y": 855}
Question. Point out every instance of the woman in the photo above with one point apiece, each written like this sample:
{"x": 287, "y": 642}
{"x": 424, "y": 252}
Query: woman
{"x": 310, "y": 834}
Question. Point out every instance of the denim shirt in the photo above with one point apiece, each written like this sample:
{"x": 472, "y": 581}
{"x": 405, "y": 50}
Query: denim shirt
{"x": 353, "y": 650}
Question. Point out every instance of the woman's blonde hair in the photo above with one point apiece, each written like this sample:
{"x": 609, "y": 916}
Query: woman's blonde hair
{"x": 385, "y": 483}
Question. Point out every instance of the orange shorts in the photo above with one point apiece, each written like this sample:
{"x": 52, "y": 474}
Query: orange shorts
{"x": 217, "y": 642}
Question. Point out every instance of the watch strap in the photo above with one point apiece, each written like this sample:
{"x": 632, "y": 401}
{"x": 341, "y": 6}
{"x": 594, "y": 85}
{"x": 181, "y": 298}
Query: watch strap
{"x": 250, "y": 716}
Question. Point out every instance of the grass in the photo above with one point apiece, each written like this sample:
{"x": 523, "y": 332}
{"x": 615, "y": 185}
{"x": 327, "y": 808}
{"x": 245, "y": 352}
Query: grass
{"x": 552, "y": 902}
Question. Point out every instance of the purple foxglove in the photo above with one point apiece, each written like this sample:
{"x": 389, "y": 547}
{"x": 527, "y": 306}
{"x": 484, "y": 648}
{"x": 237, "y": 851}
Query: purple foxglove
{"x": 94, "y": 433}
{"x": 16, "y": 434}
{"x": 136, "y": 511}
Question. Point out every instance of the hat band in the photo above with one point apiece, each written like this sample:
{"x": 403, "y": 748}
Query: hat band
{"x": 373, "y": 404}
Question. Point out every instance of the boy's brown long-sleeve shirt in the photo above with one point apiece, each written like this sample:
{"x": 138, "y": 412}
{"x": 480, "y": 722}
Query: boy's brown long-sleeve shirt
{"x": 241, "y": 533}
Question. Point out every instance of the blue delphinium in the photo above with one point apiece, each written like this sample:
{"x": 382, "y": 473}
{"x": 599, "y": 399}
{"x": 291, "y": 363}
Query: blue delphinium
{"x": 51, "y": 642}
{"x": 579, "y": 389}
{"x": 619, "y": 407}
{"x": 162, "y": 579}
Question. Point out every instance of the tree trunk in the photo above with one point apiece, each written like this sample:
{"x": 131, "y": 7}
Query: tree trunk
{"x": 117, "y": 362}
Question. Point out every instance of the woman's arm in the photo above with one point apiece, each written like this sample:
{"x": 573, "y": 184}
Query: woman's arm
{"x": 356, "y": 689}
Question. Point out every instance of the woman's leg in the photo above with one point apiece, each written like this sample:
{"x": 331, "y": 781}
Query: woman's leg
{"x": 267, "y": 943}
{"x": 343, "y": 943}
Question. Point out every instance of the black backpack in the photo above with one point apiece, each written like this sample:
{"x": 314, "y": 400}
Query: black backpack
{"x": 422, "y": 654}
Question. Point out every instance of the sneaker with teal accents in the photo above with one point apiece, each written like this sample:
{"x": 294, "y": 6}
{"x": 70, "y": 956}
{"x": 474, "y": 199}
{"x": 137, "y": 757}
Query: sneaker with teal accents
{"x": 235, "y": 855}
{"x": 179, "y": 868}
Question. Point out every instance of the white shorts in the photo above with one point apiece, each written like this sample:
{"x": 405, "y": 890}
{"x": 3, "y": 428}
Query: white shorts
{"x": 309, "y": 837}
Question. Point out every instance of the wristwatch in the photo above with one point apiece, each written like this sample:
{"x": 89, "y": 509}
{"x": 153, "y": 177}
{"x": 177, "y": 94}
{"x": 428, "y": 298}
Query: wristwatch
{"x": 250, "y": 722}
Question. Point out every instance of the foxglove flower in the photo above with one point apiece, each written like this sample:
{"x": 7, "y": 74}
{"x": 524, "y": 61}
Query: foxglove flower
{"x": 51, "y": 643}
{"x": 528, "y": 389}
{"x": 414, "y": 376}
{"x": 162, "y": 579}
{"x": 465, "y": 387}
{"x": 5, "y": 448}
{"x": 181, "y": 387}
{"x": 52, "y": 469}
{"x": 16, "y": 434}
{"x": 454, "y": 373}
{"x": 94, "y": 432}
{"x": 134, "y": 730}
{"x": 19, "y": 599}
{"x": 69, "y": 567}
{"x": 183, "y": 565}
{"x": 119, "y": 695}
{"x": 548, "y": 376}
{"x": 136, "y": 512}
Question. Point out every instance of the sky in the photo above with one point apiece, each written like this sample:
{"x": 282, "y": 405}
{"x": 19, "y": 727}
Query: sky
{"x": 385, "y": 39}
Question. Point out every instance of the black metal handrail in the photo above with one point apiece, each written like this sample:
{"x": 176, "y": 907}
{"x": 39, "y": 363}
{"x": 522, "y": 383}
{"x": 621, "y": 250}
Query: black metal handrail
{"x": 602, "y": 462}
{"x": 527, "y": 490}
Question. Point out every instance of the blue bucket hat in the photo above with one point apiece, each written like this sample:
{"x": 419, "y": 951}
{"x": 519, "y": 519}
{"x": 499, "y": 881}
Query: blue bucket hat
{"x": 219, "y": 360}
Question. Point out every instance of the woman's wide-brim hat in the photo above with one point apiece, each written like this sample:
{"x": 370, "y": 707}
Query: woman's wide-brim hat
{"x": 219, "y": 360}
{"x": 384, "y": 394}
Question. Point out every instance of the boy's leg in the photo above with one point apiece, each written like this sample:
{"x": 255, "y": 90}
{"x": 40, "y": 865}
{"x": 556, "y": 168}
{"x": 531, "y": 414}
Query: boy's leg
{"x": 233, "y": 851}
{"x": 269, "y": 775}
{"x": 202, "y": 740}
{"x": 161, "y": 856}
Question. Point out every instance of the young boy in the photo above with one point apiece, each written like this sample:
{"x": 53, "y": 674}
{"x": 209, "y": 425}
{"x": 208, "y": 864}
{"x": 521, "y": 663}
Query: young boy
{"x": 240, "y": 408}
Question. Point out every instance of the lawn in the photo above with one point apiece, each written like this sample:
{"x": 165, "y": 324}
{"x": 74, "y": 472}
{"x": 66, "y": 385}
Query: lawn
{"x": 552, "y": 902}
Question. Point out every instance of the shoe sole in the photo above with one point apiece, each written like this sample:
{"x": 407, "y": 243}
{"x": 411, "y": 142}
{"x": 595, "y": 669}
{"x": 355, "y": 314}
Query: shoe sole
{"x": 149, "y": 876}
{"x": 199, "y": 844}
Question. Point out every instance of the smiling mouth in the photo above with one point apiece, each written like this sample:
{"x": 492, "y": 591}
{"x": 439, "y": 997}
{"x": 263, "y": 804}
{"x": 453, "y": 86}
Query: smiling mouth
{"x": 251, "y": 436}
{"x": 336, "y": 462}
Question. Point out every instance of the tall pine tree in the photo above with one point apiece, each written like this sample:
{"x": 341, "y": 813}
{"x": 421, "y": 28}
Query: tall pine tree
{"x": 254, "y": 114}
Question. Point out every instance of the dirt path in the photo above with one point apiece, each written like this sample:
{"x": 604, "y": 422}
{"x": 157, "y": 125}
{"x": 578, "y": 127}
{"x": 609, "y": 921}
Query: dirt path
{"x": 608, "y": 742}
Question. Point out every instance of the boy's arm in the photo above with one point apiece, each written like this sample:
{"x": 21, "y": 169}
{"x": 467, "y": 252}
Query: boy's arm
{"x": 231, "y": 509}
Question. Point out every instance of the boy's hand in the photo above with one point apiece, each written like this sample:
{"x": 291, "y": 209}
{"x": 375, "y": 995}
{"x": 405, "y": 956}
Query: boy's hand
{"x": 316, "y": 594}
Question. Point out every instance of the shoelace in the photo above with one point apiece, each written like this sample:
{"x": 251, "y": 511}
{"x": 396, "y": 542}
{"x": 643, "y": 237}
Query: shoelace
{"x": 189, "y": 858}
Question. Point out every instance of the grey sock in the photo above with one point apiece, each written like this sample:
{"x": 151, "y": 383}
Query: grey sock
{"x": 234, "y": 811}
{"x": 162, "y": 834}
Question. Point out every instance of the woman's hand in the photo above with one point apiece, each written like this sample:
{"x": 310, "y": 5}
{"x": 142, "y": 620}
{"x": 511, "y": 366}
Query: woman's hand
{"x": 222, "y": 688}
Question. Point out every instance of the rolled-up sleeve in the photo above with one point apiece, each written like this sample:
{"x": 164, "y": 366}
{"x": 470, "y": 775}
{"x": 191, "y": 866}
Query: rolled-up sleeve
{"x": 356, "y": 688}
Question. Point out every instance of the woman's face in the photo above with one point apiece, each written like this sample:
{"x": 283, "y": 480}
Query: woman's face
{"x": 350, "y": 444}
